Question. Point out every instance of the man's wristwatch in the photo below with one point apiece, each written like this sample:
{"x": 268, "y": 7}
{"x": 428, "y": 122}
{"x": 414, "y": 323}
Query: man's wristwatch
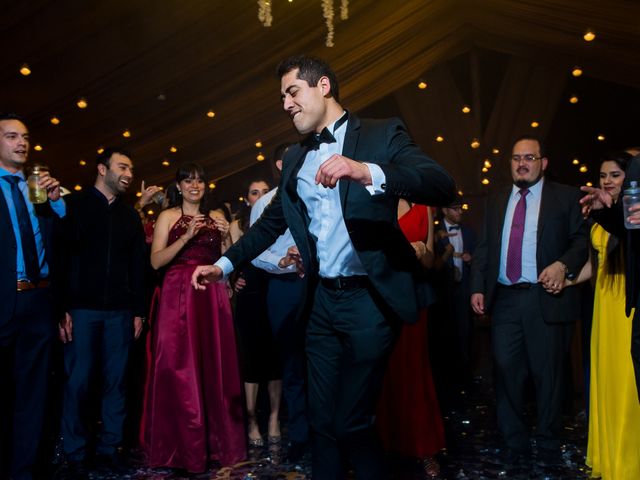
{"x": 567, "y": 274}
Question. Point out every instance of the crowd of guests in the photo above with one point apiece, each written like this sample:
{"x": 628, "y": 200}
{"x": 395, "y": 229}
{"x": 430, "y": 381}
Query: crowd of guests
{"x": 327, "y": 290}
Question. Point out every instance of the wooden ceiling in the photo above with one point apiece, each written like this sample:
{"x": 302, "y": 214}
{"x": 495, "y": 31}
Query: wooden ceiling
{"x": 157, "y": 67}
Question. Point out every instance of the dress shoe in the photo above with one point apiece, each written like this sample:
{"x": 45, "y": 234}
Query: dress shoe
{"x": 295, "y": 452}
{"x": 548, "y": 457}
{"x": 72, "y": 471}
{"x": 515, "y": 458}
{"x": 114, "y": 463}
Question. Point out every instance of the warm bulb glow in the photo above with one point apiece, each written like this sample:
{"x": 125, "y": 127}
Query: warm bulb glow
{"x": 422, "y": 85}
{"x": 485, "y": 181}
{"x": 576, "y": 72}
{"x": 260, "y": 157}
{"x": 495, "y": 151}
{"x": 436, "y": 222}
{"x": 535, "y": 124}
{"x": 55, "y": 121}
{"x": 258, "y": 144}
{"x": 211, "y": 114}
{"x": 82, "y": 103}
{"x": 465, "y": 206}
{"x": 25, "y": 70}
{"x": 573, "y": 99}
{"x": 241, "y": 199}
{"x": 583, "y": 169}
{"x": 575, "y": 161}
{"x": 165, "y": 163}
{"x": 212, "y": 185}
{"x": 126, "y": 133}
{"x": 460, "y": 193}
{"x": 487, "y": 163}
{"x": 601, "y": 138}
{"x": 589, "y": 184}
{"x": 589, "y": 36}
{"x": 439, "y": 139}
{"x": 475, "y": 143}
{"x": 150, "y": 212}
{"x": 82, "y": 163}
{"x": 485, "y": 169}
{"x": 138, "y": 194}
{"x": 466, "y": 109}
{"x": 38, "y": 148}
{"x": 77, "y": 188}
{"x": 173, "y": 149}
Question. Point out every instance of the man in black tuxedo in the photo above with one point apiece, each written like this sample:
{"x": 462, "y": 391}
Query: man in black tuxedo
{"x": 452, "y": 326}
{"x": 600, "y": 205}
{"x": 358, "y": 266}
{"x": 27, "y": 324}
{"x": 533, "y": 237}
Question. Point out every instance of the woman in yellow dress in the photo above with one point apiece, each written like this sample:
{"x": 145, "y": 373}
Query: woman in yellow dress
{"x": 613, "y": 450}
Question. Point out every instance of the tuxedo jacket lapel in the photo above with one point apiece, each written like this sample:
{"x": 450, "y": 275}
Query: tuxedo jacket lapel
{"x": 349, "y": 150}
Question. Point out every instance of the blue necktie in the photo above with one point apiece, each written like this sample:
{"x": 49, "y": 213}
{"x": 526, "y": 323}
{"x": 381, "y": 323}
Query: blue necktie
{"x": 27, "y": 237}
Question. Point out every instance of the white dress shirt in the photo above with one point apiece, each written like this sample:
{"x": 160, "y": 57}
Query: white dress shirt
{"x": 457, "y": 243}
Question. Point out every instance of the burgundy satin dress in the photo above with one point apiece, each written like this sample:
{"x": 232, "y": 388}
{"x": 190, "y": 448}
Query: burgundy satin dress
{"x": 193, "y": 409}
{"x": 409, "y": 420}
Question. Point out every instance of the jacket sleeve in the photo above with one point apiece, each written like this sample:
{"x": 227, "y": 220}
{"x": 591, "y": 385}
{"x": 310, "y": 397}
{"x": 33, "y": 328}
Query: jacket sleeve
{"x": 138, "y": 266}
{"x": 578, "y": 250}
{"x": 411, "y": 174}
{"x": 261, "y": 235}
{"x": 480, "y": 259}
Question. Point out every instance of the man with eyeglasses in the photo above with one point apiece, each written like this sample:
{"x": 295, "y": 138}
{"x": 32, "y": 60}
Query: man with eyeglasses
{"x": 533, "y": 237}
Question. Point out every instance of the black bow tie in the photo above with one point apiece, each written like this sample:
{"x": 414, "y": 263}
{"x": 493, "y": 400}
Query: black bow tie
{"x": 454, "y": 227}
{"x": 313, "y": 141}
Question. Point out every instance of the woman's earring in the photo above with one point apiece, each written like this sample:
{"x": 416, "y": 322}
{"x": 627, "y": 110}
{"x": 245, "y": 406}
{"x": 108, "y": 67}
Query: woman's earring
{"x": 179, "y": 192}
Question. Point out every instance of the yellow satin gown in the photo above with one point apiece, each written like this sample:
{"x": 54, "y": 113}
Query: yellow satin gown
{"x": 613, "y": 452}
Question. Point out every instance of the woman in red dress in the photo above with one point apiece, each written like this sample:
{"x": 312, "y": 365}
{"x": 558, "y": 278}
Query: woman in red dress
{"x": 409, "y": 419}
{"x": 192, "y": 411}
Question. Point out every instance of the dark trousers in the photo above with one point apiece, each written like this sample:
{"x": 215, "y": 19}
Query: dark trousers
{"x": 348, "y": 342}
{"x": 25, "y": 349}
{"x": 283, "y": 299}
{"x": 100, "y": 349}
{"x": 523, "y": 343}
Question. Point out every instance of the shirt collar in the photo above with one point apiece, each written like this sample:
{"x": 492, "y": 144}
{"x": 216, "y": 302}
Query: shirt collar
{"x": 4, "y": 173}
{"x": 534, "y": 190}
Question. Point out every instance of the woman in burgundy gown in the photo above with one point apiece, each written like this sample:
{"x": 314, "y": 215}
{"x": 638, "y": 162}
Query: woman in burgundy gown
{"x": 409, "y": 418}
{"x": 192, "y": 410}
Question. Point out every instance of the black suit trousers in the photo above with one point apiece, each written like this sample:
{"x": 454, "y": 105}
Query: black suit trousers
{"x": 348, "y": 344}
{"x": 523, "y": 343}
{"x": 25, "y": 350}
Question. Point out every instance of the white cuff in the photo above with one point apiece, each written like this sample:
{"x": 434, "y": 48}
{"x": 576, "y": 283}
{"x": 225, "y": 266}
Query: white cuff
{"x": 378, "y": 179}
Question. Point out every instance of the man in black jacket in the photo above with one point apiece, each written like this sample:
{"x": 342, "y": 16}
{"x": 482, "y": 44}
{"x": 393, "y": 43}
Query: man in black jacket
{"x": 104, "y": 266}
{"x": 27, "y": 324}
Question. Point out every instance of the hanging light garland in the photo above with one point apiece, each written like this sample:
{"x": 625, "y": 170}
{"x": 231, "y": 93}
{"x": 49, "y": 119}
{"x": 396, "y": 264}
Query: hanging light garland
{"x": 265, "y": 17}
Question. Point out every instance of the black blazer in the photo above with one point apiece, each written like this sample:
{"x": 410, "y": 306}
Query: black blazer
{"x": 371, "y": 221}
{"x": 562, "y": 235}
{"x": 8, "y": 247}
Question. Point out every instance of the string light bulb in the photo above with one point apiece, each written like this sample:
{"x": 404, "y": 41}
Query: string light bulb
{"x": 589, "y": 36}
{"x": 439, "y": 139}
{"x": 576, "y": 72}
{"x": 422, "y": 85}
{"x": 55, "y": 121}
{"x": 25, "y": 70}
{"x": 82, "y": 103}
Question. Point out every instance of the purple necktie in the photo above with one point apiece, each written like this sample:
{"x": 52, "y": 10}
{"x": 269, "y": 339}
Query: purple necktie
{"x": 514, "y": 251}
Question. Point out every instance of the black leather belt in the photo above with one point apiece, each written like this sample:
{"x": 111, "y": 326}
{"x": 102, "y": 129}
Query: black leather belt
{"x": 518, "y": 286}
{"x": 23, "y": 285}
{"x": 345, "y": 283}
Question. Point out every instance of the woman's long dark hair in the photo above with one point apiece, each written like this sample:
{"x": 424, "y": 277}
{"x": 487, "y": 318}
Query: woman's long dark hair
{"x": 189, "y": 170}
{"x": 615, "y": 250}
{"x": 245, "y": 210}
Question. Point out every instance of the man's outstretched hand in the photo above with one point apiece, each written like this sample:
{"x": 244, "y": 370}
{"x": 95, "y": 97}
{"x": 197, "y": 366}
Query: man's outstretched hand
{"x": 204, "y": 275}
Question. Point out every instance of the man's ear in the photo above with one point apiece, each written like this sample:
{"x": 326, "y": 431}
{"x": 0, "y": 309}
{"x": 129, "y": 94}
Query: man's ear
{"x": 325, "y": 85}
{"x": 102, "y": 169}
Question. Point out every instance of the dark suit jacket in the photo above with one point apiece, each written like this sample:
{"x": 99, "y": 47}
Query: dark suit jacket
{"x": 371, "y": 221}
{"x": 562, "y": 235}
{"x": 8, "y": 247}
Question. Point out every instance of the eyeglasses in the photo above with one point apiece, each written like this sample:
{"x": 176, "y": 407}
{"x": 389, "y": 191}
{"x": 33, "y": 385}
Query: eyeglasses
{"x": 529, "y": 158}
